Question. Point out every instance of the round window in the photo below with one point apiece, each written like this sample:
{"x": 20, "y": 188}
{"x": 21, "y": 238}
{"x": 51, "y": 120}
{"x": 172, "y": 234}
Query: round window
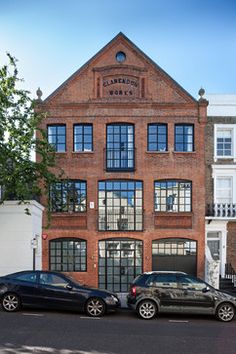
{"x": 120, "y": 57}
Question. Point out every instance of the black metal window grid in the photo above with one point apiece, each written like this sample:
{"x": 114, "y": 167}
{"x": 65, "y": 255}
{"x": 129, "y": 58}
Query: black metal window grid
{"x": 157, "y": 137}
{"x": 57, "y": 137}
{"x": 173, "y": 196}
{"x": 120, "y": 261}
{"x": 68, "y": 196}
{"x": 83, "y": 137}
{"x": 184, "y": 137}
{"x": 120, "y": 147}
{"x": 174, "y": 247}
{"x": 68, "y": 255}
{"x": 120, "y": 205}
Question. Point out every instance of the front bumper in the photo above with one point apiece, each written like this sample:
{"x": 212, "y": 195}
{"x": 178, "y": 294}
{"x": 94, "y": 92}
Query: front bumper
{"x": 112, "y": 303}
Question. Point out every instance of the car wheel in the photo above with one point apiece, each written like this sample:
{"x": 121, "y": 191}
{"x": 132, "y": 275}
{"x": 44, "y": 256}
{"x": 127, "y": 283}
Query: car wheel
{"x": 10, "y": 302}
{"x": 95, "y": 307}
{"x": 147, "y": 309}
{"x": 225, "y": 312}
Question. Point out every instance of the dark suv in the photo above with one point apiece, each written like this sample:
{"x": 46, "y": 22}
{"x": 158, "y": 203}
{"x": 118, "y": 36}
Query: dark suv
{"x": 177, "y": 292}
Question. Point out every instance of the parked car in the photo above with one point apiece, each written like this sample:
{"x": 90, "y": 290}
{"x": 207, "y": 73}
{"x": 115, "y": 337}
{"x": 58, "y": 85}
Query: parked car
{"x": 176, "y": 292}
{"x": 53, "y": 290}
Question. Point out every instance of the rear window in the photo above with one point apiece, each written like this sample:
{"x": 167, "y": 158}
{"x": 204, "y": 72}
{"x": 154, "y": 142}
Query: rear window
{"x": 140, "y": 279}
{"x": 162, "y": 280}
{"x": 27, "y": 277}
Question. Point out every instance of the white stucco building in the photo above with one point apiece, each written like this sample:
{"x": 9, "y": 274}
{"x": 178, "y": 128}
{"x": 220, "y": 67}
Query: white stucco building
{"x": 221, "y": 181}
{"x": 20, "y": 236}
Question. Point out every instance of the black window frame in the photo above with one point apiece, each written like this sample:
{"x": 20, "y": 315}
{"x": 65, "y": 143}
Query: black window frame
{"x": 55, "y": 145}
{"x": 173, "y": 246}
{"x": 169, "y": 206}
{"x": 183, "y": 143}
{"x": 82, "y": 125}
{"x": 60, "y": 253}
{"x": 108, "y": 262}
{"x": 110, "y": 161}
{"x": 125, "y": 227}
{"x": 157, "y": 125}
{"x": 56, "y": 192}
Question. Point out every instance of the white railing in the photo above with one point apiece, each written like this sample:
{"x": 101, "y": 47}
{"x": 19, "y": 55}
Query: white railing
{"x": 221, "y": 210}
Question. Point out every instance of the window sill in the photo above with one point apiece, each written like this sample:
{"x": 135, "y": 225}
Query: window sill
{"x": 225, "y": 158}
{"x": 173, "y": 213}
{"x": 184, "y": 152}
{"x": 81, "y": 152}
{"x": 116, "y": 231}
{"x": 157, "y": 152}
{"x": 68, "y": 213}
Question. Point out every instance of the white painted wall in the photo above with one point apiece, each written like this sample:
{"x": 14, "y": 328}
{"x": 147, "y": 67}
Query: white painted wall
{"x": 219, "y": 226}
{"x": 221, "y": 105}
{"x": 17, "y": 230}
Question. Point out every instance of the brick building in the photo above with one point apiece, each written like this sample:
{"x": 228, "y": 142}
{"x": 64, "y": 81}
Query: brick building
{"x": 221, "y": 179}
{"x": 131, "y": 143}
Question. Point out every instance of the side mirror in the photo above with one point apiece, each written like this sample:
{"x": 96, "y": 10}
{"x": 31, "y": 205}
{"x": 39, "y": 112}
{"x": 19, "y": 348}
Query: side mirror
{"x": 206, "y": 289}
{"x": 69, "y": 287}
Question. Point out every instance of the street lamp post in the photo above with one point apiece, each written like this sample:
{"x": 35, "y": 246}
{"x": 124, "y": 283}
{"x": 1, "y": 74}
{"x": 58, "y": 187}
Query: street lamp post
{"x": 34, "y": 245}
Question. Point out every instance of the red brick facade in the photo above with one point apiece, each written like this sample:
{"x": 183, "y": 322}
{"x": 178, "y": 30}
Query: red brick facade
{"x": 135, "y": 91}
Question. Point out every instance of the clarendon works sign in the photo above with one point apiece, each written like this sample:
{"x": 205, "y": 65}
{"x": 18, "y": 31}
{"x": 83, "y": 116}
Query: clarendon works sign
{"x": 120, "y": 86}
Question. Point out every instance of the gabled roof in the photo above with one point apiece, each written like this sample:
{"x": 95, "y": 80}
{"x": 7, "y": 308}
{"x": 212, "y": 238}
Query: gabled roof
{"x": 121, "y": 36}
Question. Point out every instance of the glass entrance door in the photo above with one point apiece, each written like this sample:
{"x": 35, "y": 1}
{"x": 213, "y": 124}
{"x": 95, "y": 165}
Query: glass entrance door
{"x": 213, "y": 242}
{"x": 120, "y": 261}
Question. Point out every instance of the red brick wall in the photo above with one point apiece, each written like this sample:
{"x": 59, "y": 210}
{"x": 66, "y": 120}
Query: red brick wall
{"x": 164, "y": 102}
{"x": 231, "y": 244}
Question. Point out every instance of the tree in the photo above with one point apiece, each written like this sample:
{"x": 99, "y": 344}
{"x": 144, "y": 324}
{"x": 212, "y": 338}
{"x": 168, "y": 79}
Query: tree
{"x": 21, "y": 178}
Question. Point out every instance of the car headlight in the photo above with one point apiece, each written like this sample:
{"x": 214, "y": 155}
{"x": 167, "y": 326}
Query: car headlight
{"x": 112, "y": 300}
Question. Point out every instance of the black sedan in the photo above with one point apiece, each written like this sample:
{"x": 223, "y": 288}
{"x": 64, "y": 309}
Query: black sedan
{"x": 53, "y": 290}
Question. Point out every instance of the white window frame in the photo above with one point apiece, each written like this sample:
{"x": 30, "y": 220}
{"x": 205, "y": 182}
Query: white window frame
{"x": 217, "y": 189}
{"x": 225, "y": 171}
{"x": 231, "y": 127}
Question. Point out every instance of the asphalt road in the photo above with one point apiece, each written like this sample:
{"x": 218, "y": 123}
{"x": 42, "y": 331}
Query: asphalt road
{"x": 31, "y": 331}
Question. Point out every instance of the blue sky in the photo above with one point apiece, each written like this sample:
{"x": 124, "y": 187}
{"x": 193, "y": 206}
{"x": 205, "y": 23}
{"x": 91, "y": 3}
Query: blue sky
{"x": 194, "y": 41}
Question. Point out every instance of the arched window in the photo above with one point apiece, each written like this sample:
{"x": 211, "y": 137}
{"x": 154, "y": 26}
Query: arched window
{"x": 120, "y": 261}
{"x": 68, "y": 195}
{"x": 173, "y": 196}
{"x": 68, "y": 255}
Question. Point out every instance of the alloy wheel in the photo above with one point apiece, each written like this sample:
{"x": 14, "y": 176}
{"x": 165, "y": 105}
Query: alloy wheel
{"x": 225, "y": 312}
{"x": 95, "y": 307}
{"x": 147, "y": 310}
{"x": 10, "y": 302}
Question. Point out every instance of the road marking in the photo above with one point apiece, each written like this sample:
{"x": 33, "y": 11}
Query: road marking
{"x": 34, "y": 349}
{"x": 33, "y": 314}
{"x": 90, "y": 318}
{"x": 178, "y": 321}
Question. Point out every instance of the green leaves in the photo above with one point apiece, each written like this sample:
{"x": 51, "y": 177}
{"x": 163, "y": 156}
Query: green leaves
{"x": 21, "y": 178}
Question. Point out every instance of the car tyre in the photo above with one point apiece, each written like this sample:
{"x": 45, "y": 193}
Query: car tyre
{"x": 225, "y": 312}
{"x": 95, "y": 307}
{"x": 10, "y": 302}
{"x": 147, "y": 309}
